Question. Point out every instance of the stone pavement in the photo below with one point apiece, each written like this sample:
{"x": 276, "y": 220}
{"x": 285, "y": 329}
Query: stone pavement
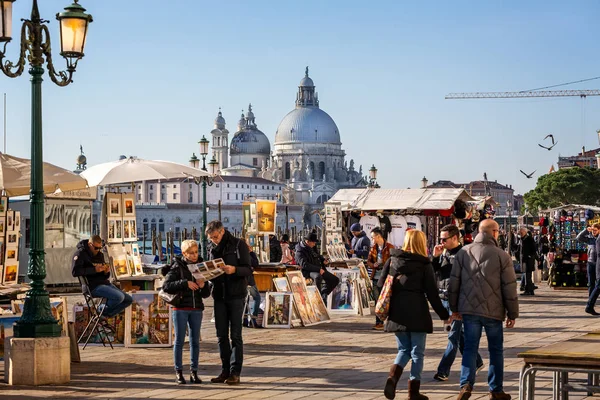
{"x": 344, "y": 359}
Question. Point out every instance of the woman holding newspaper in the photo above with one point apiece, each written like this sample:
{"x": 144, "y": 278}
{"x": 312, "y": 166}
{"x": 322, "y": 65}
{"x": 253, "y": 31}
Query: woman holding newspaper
{"x": 188, "y": 313}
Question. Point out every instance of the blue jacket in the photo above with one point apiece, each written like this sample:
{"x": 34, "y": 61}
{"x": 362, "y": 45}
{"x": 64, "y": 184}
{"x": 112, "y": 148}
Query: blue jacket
{"x": 361, "y": 245}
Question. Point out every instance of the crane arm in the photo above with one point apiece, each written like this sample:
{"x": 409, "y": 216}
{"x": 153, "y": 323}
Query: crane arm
{"x": 513, "y": 95}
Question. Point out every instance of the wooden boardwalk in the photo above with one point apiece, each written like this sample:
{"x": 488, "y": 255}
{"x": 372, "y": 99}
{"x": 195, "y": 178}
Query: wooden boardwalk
{"x": 341, "y": 360}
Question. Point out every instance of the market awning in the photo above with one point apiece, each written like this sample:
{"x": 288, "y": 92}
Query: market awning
{"x": 399, "y": 199}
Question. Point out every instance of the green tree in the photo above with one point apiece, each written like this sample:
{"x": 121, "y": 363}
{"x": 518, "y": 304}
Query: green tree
{"x": 565, "y": 186}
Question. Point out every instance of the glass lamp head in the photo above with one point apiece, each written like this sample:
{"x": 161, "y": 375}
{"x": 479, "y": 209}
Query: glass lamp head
{"x": 74, "y": 24}
{"x": 213, "y": 166}
{"x": 203, "y": 146}
{"x": 373, "y": 172}
{"x": 6, "y": 20}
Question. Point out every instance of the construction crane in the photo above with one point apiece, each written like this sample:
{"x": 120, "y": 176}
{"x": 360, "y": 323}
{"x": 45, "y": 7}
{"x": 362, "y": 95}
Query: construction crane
{"x": 523, "y": 94}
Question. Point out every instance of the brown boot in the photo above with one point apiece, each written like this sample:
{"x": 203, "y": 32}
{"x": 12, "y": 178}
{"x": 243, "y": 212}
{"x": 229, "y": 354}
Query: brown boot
{"x": 499, "y": 396}
{"x": 392, "y": 381}
{"x": 413, "y": 391}
{"x": 465, "y": 392}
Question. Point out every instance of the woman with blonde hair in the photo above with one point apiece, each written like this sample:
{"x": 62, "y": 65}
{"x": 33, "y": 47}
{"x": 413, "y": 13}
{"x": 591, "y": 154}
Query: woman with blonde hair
{"x": 409, "y": 318}
{"x": 187, "y": 315}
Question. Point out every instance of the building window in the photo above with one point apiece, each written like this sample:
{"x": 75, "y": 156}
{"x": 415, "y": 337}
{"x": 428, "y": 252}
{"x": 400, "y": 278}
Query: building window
{"x": 236, "y": 196}
{"x": 145, "y": 225}
{"x": 227, "y": 196}
{"x": 190, "y": 185}
{"x": 236, "y": 185}
{"x": 153, "y": 225}
{"x": 101, "y": 197}
{"x": 151, "y": 187}
{"x": 174, "y": 196}
{"x": 263, "y": 186}
{"x": 139, "y": 187}
{"x": 272, "y": 187}
{"x": 255, "y": 186}
{"x": 174, "y": 186}
{"x": 151, "y": 196}
{"x": 190, "y": 197}
{"x": 217, "y": 185}
{"x": 279, "y": 187}
{"x": 162, "y": 186}
{"x": 161, "y": 225}
{"x": 139, "y": 197}
{"x": 255, "y": 162}
{"x": 321, "y": 170}
{"x": 163, "y": 197}
{"x": 247, "y": 186}
{"x": 228, "y": 185}
{"x": 287, "y": 170}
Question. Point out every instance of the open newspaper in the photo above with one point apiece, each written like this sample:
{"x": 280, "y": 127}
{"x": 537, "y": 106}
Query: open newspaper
{"x": 207, "y": 270}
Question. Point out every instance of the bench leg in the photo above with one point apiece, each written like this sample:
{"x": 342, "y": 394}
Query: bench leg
{"x": 556, "y": 385}
{"x": 564, "y": 380}
{"x": 523, "y": 382}
{"x": 531, "y": 385}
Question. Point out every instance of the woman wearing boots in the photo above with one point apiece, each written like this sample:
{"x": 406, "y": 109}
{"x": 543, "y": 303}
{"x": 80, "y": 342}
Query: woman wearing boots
{"x": 188, "y": 313}
{"x": 414, "y": 284}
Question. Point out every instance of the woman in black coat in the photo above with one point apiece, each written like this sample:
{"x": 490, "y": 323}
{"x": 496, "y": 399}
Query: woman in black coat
{"x": 188, "y": 313}
{"x": 414, "y": 285}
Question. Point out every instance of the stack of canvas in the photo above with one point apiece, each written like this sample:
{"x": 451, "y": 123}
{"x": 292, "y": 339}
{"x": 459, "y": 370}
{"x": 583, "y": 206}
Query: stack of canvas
{"x": 334, "y": 242}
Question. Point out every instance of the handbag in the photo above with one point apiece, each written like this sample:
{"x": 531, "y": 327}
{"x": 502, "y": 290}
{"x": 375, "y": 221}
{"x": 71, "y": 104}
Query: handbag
{"x": 172, "y": 299}
{"x": 382, "y": 308}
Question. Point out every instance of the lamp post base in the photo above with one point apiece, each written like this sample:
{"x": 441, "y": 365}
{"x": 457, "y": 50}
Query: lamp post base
{"x": 41, "y": 361}
{"x": 37, "y": 330}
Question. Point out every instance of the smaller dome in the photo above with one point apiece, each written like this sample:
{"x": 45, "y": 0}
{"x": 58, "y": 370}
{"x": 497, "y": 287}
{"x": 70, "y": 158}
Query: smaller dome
{"x": 250, "y": 142}
{"x": 220, "y": 121}
{"x": 307, "y": 82}
{"x": 81, "y": 159}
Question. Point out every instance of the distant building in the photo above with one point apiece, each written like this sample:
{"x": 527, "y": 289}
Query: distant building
{"x": 587, "y": 158}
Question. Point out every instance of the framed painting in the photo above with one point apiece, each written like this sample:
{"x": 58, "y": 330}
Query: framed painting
{"x": 12, "y": 238}
{"x": 2, "y": 225}
{"x": 364, "y": 275}
{"x": 148, "y": 321}
{"x": 266, "y": 211}
{"x": 364, "y": 298}
{"x": 253, "y": 218}
{"x": 137, "y": 260}
{"x": 6, "y": 330}
{"x": 11, "y": 272}
{"x": 281, "y": 285}
{"x": 129, "y": 232}
{"x": 297, "y": 286}
{"x": 12, "y": 254}
{"x": 17, "y": 221}
{"x": 58, "y": 306}
{"x": 115, "y": 230}
{"x": 118, "y": 256}
{"x": 343, "y": 299}
{"x": 318, "y": 304}
{"x": 81, "y": 318}
{"x": 113, "y": 205}
{"x": 10, "y": 221}
{"x": 278, "y": 310}
{"x": 16, "y": 306}
{"x": 128, "y": 205}
{"x": 3, "y": 205}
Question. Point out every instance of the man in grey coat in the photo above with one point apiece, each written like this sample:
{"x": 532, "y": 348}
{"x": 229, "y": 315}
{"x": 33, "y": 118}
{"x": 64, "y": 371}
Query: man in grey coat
{"x": 483, "y": 292}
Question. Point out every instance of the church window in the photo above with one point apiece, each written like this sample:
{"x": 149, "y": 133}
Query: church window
{"x": 227, "y": 196}
{"x": 236, "y": 196}
{"x": 287, "y": 170}
{"x": 218, "y": 141}
{"x": 255, "y": 162}
{"x": 151, "y": 187}
{"x": 161, "y": 225}
{"x": 190, "y": 197}
{"x": 321, "y": 170}
{"x": 151, "y": 196}
{"x": 311, "y": 168}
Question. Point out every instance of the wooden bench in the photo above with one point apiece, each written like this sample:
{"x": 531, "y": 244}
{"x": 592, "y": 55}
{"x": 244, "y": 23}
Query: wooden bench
{"x": 576, "y": 355}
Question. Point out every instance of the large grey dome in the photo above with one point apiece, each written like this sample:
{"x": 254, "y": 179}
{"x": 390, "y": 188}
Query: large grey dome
{"x": 309, "y": 125}
{"x": 250, "y": 141}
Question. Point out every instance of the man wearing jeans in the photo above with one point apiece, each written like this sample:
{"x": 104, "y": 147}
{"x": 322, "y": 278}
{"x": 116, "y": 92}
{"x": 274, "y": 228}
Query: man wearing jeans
{"x": 88, "y": 261}
{"x": 591, "y": 237}
{"x": 229, "y": 294}
{"x": 482, "y": 292}
{"x": 443, "y": 257}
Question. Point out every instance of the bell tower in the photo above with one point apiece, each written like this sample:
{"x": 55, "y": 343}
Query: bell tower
{"x": 220, "y": 141}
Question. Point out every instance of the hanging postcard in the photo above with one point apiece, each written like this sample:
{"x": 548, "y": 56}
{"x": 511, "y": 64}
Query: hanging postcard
{"x": 113, "y": 204}
{"x": 3, "y": 205}
{"x": 115, "y": 230}
{"x": 17, "y": 221}
{"x": 11, "y": 269}
{"x": 266, "y": 211}
{"x": 10, "y": 222}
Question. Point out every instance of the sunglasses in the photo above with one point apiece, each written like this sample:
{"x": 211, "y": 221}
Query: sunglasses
{"x": 443, "y": 240}
{"x": 98, "y": 248}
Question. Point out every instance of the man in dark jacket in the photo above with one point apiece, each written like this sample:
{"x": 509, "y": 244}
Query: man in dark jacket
{"x": 591, "y": 237}
{"x": 313, "y": 266}
{"x": 528, "y": 254}
{"x": 483, "y": 292}
{"x": 443, "y": 257}
{"x": 88, "y": 261}
{"x": 275, "y": 252}
{"x": 361, "y": 245}
{"x": 229, "y": 294}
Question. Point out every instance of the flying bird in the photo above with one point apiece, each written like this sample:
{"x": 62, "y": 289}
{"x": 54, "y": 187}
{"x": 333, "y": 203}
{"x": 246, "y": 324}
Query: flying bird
{"x": 529, "y": 176}
{"x": 553, "y": 142}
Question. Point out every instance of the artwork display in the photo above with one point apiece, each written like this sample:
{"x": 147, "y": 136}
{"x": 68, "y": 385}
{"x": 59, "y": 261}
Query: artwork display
{"x": 117, "y": 254}
{"x": 281, "y": 285}
{"x": 115, "y": 230}
{"x": 253, "y": 218}
{"x": 266, "y": 211}
{"x": 343, "y": 299}
{"x": 317, "y": 303}
{"x": 81, "y": 318}
{"x": 58, "y": 307}
{"x": 278, "y": 310}
{"x": 17, "y": 221}
{"x": 54, "y": 226}
{"x": 2, "y": 225}
{"x": 12, "y": 238}
{"x": 137, "y": 261}
{"x": 297, "y": 286}
{"x": 113, "y": 204}
{"x": 6, "y": 330}
{"x": 207, "y": 270}
{"x": 128, "y": 205}
{"x": 3, "y": 204}
{"x": 10, "y": 221}
{"x": 148, "y": 321}
{"x": 364, "y": 297}
{"x": 334, "y": 242}
{"x": 11, "y": 269}
{"x": 364, "y": 275}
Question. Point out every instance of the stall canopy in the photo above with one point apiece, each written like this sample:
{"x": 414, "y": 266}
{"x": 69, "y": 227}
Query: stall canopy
{"x": 399, "y": 199}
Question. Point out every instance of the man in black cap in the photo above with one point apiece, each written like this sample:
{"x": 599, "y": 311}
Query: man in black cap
{"x": 361, "y": 245}
{"x": 313, "y": 265}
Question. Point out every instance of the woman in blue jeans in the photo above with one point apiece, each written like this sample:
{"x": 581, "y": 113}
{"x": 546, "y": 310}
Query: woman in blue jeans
{"x": 188, "y": 313}
{"x": 414, "y": 285}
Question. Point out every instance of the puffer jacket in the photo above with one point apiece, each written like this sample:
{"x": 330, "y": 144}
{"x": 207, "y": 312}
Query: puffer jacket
{"x": 483, "y": 281}
{"x": 414, "y": 284}
{"x": 176, "y": 281}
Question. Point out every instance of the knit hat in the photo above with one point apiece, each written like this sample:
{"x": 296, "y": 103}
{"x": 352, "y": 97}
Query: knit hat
{"x": 355, "y": 227}
{"x": 311, "y": 237}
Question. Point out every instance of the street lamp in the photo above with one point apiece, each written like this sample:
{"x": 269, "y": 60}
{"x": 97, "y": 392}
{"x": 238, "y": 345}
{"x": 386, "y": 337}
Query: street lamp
{"x": 206, "y": 180}
{"x": 373, "y": 177}
{"x": 37, "y": 319}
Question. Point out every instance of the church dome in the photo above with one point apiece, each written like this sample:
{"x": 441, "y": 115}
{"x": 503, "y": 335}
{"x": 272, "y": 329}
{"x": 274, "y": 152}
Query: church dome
{"x": 307, "y": 81}
{"x": 81, "y": 159}
{"x": 250, "y": 142}
{"x": 307, "y": 124}
{"x": 220, "y": 121}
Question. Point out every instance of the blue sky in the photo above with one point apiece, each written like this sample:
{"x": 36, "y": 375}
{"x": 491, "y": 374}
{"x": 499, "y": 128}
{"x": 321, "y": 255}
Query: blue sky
{"x": 156, "y": 72}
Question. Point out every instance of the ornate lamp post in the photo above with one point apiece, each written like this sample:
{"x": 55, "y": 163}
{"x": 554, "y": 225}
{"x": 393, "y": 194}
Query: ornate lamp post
{"x": 206, "y": 180}
{"x": 373, "y": 177}
{"x": 37, "y": 319}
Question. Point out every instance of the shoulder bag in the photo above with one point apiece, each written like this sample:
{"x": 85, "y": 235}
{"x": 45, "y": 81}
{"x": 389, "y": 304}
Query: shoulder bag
{"x": 172, "y": 299}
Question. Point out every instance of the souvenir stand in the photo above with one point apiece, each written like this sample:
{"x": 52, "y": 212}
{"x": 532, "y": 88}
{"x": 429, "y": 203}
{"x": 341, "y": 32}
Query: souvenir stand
{"x": 563, "y": 224}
